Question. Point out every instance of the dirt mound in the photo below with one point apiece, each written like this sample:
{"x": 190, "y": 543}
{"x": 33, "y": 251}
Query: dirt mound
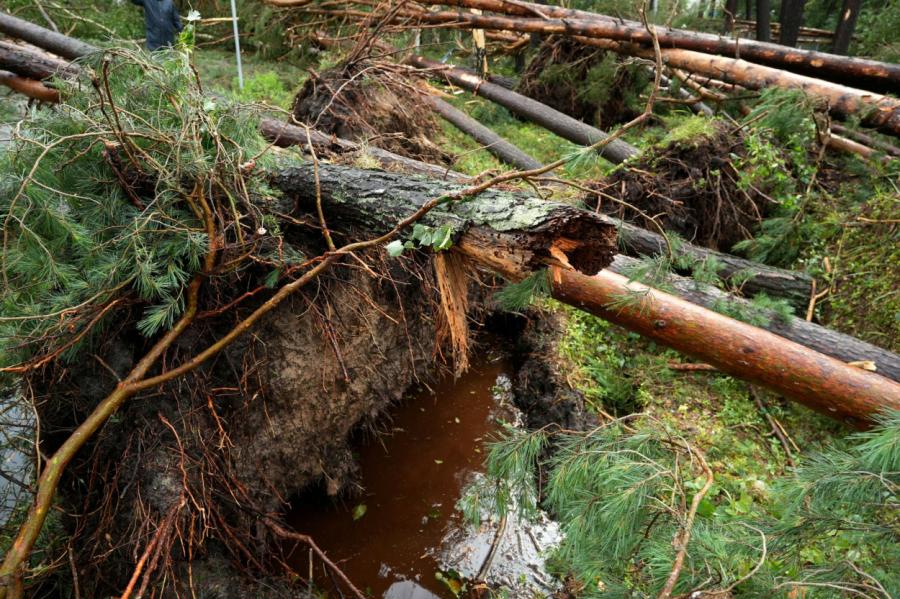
{"x": 690, "y": 184}
{"x": 590, "y": 84}
{"x": 375, "y": 103}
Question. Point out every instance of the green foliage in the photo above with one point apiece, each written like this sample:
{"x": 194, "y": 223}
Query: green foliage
{"x": 620, "y": 493}
{"x": 519, "y": 296}
{"x": 694, "y": 130}
{"x": 77, "y": 239}
{"x": 265, "y": 87}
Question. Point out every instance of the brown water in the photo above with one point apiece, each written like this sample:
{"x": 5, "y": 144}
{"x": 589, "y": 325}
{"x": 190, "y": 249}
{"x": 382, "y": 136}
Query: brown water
{"x": 413, "y": 477}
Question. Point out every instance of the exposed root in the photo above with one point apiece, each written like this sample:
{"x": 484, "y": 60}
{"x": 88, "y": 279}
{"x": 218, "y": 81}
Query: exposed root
{"x": 588, "y": 83}
{"x": 691, "y": 186}
{"x": 371, "y": 102}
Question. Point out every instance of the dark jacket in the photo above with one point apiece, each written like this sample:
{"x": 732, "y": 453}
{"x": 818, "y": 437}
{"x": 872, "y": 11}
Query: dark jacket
{"x": 161, "y": 21}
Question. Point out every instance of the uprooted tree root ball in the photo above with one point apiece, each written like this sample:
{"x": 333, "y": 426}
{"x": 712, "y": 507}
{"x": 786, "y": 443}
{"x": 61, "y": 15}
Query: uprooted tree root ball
{"x": 692, "y": 184}
{"x": 590, "y": 84}
{"x": 375, "y": 103}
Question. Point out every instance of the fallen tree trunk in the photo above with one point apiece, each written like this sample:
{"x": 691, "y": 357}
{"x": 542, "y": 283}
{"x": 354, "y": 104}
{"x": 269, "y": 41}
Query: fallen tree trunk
{"x": 493, "y": 143}
{"x": 866, "y": 140}
{"x": 500, "y": 231}
{"x": 59, "y": 44}
{"x": 874, "y": 109}
{"x": 831, "y": 343}
{"x": 775, "y": 282}
{"x": 29, "y": 87}
{"x": 858, "y": 72}
{"x": 792, "y": 286}
{"x": 519, "y": 228}
{"x": 562, "y": 124}
{"x": 851, "y": 395}
{"x": 31, "y": 64}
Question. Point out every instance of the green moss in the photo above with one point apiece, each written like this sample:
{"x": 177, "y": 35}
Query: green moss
{"x": 693, "y": 130}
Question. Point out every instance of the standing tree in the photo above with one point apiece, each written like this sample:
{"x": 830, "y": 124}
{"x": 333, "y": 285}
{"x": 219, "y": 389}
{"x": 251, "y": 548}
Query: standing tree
{"x": 730, "y": 12}
{"x": 846, "y": 24}
{"x": 763, "y": 28}
{"x": 791, "y": 19}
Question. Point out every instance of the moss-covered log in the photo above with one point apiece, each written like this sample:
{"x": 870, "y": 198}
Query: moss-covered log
{"x": 499, "y": 226}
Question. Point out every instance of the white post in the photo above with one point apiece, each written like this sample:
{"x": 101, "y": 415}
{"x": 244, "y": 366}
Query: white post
{"x": 237, "y": 44}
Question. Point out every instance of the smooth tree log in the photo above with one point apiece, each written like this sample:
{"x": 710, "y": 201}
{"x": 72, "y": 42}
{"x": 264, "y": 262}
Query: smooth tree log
{"x": 831, "y": 343}
{"x": 827, "y": 385}
{"x": 562, "y": 124}
{"x": 858, "y": 72}
{"x": 843, "y": 33}
{"x": 57, "y": 43}
{"x": 513, "y": 234}
{"x": 874, "y": 109}
{"x": 866, "y": 139}
{"x": 493, "y": 143}
{"x": 32, "y": 88}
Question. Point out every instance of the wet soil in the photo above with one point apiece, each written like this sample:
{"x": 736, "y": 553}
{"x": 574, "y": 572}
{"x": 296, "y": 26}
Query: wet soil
{"x": 412, "y": 477}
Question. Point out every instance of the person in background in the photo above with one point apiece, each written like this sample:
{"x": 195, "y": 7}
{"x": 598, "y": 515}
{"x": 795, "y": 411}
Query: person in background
{"x": 161, "y": 21}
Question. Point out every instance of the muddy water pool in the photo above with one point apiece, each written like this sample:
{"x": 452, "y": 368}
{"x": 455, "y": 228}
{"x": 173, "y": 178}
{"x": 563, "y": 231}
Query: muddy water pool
{"x": 413, "y": 476}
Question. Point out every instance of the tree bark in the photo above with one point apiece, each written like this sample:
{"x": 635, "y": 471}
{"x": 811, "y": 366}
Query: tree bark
{"x": 29, "y": 87}
{"x": 827, "y": 385}
{"x": 730, "y": 15}
{"x": 493, "y": 143}
{"x": 869, "y": 74}
{"x": 511, "y": 228}
{"x": 31, "y": 64}
{"x": 831, "y": 343}
{"x": 843, "y": 33}
{"x": 513, "y": 235}
{"x": 791, "y": 20}
{"x": 763, "y": 23}
{"x": 553, "y": 120}
{"x": 865, "y": 139}
{"x": 59, "y": 44}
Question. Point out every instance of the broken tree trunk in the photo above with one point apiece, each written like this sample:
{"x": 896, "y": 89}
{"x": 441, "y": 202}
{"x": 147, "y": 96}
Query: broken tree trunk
{"x": 874, "y": 109}
{"x": 861, "y": 72}
{"x": 516, "y": 228}
{"x": 29, "y": 87}
{"x": 844, "y": 392}
{"x": 514, "y": 235}
{"x": 831, "y": 343}
{"x": 562, "y": 124}
{"x": 59, "y": 44}
{"x": 775, "y": 282}
{"x": 493, "y": 143}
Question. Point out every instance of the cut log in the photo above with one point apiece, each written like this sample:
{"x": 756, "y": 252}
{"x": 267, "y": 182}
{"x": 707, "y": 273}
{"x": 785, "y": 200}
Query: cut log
{"x": 874, "y": 109}
{"x": 59, "y": 44}
{"x": 285, "y": 135}
{"x": 865, "y": 139}
{"x": 512, "y": 234}
{"x": 562, "y": 124}
{"x": 858, "y": 72}
{"x": 519, "y": 228}
{"x": 844, "y": 392}
{"x": 831, "y": 343}
{"x": 493, "y": 143}
{"x": 32, "y": 64}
